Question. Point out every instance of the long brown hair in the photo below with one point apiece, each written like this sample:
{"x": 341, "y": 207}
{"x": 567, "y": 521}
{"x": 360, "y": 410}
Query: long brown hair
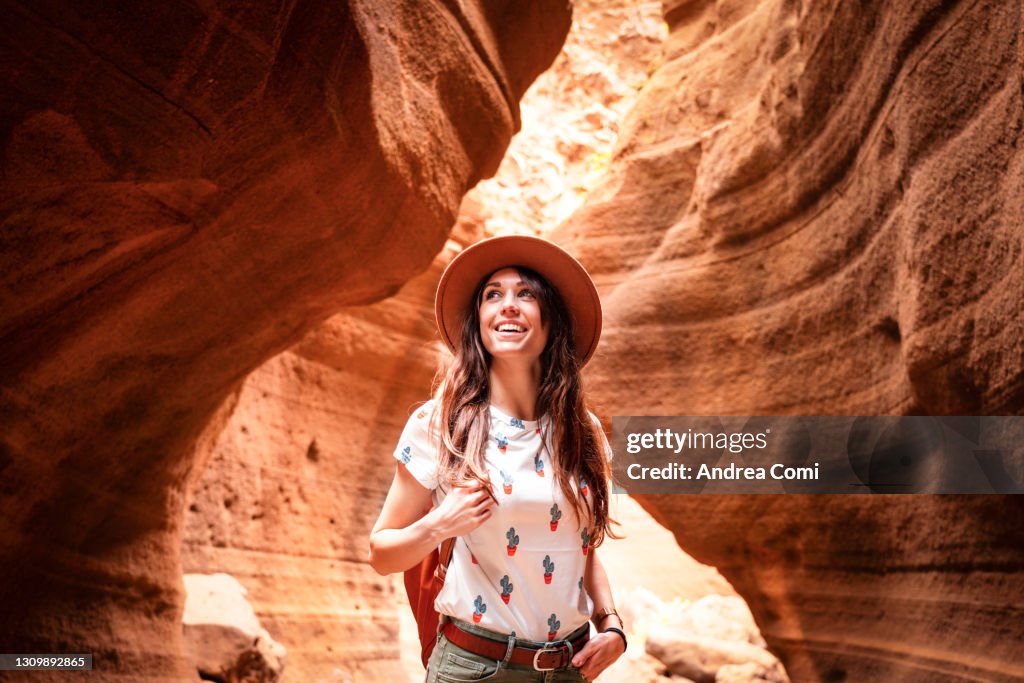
{"x": 463, "y": 419}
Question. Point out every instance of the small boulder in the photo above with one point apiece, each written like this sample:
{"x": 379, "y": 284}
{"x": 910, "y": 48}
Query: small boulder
{"x": 700, "y": 658}
{"x": 223, "y": 636}
{"x": 751, "y": 672}
{"x": 721, "y": 617}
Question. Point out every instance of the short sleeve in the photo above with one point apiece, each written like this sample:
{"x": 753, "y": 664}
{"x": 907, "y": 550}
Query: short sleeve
{"x": 416, "y": 450}
{"x": 604, "y": 438}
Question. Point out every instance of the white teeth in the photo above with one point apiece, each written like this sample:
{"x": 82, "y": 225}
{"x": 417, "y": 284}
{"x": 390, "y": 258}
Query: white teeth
{"x": 510, "y": 327}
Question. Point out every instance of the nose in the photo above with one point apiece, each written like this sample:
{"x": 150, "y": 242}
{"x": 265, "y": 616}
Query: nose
{"x": 509, "y": 303}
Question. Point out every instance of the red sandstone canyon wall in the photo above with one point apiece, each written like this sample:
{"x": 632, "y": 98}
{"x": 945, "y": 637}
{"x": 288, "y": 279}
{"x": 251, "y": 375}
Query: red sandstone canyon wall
{"x": 294, "y": 479}
{"x": 187, "y": 190}
{"x": 815, "y": 208}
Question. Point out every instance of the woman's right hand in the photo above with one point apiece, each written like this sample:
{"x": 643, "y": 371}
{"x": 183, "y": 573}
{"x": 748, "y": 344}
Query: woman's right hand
{"x": 463, "y": 509}
{"x": 403, "y": 535}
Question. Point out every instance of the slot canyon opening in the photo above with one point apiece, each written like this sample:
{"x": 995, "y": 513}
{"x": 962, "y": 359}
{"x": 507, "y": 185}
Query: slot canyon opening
{"x": 275, "y": 506}
{"x": 286, "y": 501}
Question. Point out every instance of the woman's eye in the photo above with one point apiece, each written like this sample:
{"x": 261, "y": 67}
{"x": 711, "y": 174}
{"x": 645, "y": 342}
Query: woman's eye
{"x": 492, "y": 295}
{"x": 526, "y": 294}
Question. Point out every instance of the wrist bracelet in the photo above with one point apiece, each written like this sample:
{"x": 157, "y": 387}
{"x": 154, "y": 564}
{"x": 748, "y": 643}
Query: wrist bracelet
{"x": 612, "y": 629}
{"x": 605, "y": 612}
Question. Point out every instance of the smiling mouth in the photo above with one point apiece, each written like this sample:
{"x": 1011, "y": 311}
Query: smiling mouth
{"x": 511, "y": 327}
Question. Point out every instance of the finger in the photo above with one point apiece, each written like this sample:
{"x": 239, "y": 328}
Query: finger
{"x": 482, "y": 510}
{"x": 593, "y": 660}
{"x": 471, "y": 500}
{"x": 581, "y": 657}
{"x": 593, "y": 668}
{"x": 483, "y": 499}
{"x": 479, "y": 490}
{"x": 600, "y": 660}
{"x": 482, "y": 504}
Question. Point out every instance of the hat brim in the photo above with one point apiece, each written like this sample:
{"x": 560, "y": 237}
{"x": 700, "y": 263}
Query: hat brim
{"x": 557, "y": 266}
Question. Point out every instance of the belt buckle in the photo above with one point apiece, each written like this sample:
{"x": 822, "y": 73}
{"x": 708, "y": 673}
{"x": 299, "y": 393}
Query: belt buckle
{"x": 561, "y": 647}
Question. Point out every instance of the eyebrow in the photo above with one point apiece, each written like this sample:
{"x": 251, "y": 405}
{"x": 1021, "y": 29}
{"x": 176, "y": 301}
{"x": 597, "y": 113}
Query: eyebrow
{"x": 498, "y": 284}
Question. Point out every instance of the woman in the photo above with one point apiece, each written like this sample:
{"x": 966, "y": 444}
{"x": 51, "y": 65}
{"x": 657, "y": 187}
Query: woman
{"x": 516, "y": 469}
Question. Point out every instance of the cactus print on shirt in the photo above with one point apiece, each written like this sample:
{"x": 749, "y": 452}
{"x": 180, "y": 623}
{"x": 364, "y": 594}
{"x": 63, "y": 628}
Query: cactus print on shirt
{"x": 520, "y": 570}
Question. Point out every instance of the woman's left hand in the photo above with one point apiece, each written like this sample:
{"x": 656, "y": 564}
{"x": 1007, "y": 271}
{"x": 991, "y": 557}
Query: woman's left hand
{"x": 598, "y": 654}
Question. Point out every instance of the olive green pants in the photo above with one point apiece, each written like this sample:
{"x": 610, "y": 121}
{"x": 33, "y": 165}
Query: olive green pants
{"x": 449, "y": 663}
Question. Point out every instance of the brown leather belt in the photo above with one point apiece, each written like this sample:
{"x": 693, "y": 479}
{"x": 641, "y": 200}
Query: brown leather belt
{"x": 555, "y": 655}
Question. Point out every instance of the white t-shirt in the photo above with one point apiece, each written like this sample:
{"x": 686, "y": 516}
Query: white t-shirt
{"x": 522, "y": 570}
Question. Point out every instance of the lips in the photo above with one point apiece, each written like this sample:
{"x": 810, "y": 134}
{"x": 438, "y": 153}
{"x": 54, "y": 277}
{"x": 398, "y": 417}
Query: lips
{"x": 510, "y": 327}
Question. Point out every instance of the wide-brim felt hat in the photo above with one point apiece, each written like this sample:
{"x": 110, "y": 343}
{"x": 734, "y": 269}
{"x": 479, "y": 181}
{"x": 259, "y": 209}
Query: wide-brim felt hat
{"x": 564, "y": 273}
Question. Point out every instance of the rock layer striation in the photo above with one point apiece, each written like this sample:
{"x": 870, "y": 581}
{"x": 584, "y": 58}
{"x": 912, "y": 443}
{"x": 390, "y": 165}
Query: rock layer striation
{"x": 188, "y": 189}
{"x": 814, "y": 208}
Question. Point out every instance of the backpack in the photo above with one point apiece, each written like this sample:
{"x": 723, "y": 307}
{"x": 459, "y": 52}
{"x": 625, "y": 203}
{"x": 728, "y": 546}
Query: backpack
{"x": 423, "y": 583}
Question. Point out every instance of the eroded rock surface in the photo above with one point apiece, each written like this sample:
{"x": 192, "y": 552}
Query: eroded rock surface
{"x": 571, "y": 117}
{"x": 188, "y": 189}
{"x": 814, "y": 208}
{"x": 713, "y": 638}
{"x": 223, "y": 636}
{"x": 294, "y": 481}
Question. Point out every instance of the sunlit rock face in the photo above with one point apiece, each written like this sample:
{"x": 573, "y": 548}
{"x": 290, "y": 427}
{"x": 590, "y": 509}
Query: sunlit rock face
{"x": 293, "y": 483}
{"x": 814, "y": 208}
{"x": 571, "y": 117}
{"x": 188, "y": 189}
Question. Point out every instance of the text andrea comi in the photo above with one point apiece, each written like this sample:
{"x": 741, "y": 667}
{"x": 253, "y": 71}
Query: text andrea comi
{"x": 677, "y": 471}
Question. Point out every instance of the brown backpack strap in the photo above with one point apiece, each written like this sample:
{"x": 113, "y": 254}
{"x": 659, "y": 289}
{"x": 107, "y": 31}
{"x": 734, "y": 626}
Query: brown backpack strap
{"x": 445, "y": 556}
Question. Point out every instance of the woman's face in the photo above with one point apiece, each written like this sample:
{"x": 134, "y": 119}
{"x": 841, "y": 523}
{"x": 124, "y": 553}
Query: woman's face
{"x": 510, "y": 319}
